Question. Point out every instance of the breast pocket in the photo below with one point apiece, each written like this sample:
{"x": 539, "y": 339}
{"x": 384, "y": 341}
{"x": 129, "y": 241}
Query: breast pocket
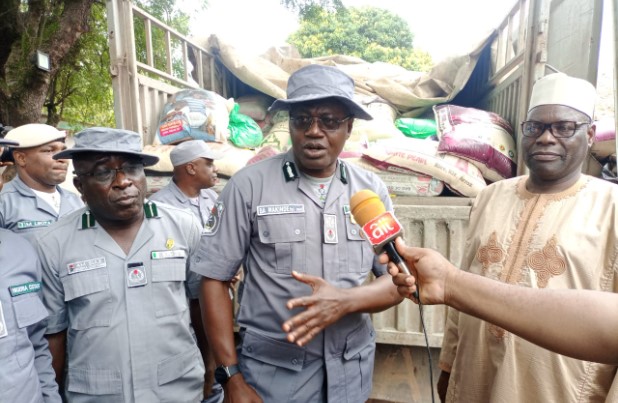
{"x": 89, "y": 298}
{"x": 359, "y": 251}
{"x": 284, "y": 237}
{"x": 29, "y": 310}
{"x": 168, "y": 282}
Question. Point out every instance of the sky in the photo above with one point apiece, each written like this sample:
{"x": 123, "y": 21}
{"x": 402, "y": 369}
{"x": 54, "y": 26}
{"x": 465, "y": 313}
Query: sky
{"x": 441, "y": 27}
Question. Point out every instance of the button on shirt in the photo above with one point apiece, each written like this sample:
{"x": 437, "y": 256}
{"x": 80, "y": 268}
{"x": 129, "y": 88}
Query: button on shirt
{"x": 273, "y": 226}
{"x": 171, "y": 194}
{"x": 26, "y": 373}
{"x": 22, "y": 212}
{"x": 129, "y": 336}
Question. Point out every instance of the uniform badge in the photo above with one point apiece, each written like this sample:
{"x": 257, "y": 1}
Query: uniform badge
{"x": 136, "y": 275}
{"x": 276, "y": 209}
{"x": 169, "y": 244}
{"x": 27, "y": 288}
{"x": 33, "y": 224}
{"x": 85, "y": 265}
{"x": 330, "y": 228}
{"x": 212, "y": 225}
{"x": 3, "y": 330}
{"x": 168, "y": 254}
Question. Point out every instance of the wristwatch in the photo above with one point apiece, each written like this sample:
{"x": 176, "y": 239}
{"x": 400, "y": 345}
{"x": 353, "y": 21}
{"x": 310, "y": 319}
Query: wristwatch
{"x": 223, "y": 373}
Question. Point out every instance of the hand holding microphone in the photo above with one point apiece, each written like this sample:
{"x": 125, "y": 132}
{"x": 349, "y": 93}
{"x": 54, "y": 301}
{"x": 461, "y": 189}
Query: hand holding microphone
{"x": 379, "y": 226}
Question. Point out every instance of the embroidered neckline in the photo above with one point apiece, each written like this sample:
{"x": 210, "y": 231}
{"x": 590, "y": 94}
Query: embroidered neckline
{"x": 524, "y": 193}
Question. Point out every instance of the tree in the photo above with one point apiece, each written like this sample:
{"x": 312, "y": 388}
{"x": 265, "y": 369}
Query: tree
{"x": 74, "y": 34}
{"x": 25, "y": 27}
{"x": 81, "y": 92}
{"x": 370, "y": 33}
{"x": 311, "y": 9}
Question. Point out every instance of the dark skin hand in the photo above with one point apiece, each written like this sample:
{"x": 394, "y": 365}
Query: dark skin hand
{"x": 324, "y": 307}
{"x": 327, "y": 304}
{"x": 57, "y": 348}
{"x": 243, "y": 393}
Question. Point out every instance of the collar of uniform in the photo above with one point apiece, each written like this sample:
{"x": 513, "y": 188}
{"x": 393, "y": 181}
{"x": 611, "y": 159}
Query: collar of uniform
{"x": 88, "y": 221}
{"x": 26, "y": 190}
{"x": 291, "y": 172}
{"x": 21, "y": 187}
{"x": 183, "y": 198}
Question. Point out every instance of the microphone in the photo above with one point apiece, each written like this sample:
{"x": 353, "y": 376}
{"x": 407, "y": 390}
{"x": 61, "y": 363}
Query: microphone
{"x": 379, "y": 226}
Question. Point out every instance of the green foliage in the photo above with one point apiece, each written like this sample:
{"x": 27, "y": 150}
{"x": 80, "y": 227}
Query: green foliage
{"x": 166, "y": 11}
{"x": 311, "y": 9}
{"x": 373, "y": 34}
{"x": 81, "y": 93}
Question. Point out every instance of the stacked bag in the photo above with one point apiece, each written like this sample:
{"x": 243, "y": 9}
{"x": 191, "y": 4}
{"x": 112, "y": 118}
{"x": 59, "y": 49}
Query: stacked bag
{"x": 461, "y": 149}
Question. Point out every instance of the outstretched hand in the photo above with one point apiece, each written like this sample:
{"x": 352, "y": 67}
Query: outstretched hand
{"x": 324, "y": 306}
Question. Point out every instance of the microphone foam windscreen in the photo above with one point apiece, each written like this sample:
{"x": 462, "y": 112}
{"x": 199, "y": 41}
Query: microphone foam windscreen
{"x": 366, "y": 205}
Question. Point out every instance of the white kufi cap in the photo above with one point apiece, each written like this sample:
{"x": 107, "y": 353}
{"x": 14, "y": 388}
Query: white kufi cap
{"x": 560, "y": 89}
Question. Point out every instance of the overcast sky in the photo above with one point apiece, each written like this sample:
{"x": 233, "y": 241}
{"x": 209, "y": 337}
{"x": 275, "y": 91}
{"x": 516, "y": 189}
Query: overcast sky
{"x": 441, "y": 27}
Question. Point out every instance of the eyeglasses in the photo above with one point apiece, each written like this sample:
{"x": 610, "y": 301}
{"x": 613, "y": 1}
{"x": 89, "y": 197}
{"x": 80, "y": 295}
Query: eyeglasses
{"x": 108, "y": 175}
{"x": 564, "y": 129}
{"x": 324, "y": 122}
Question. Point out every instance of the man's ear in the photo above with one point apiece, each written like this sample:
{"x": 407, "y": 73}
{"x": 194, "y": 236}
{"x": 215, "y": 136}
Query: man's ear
{"x": 190, "y": 169}
{"x": 19, "y": 157}
{"x": 78, "y": 185}
{"x": 591, "y": 134}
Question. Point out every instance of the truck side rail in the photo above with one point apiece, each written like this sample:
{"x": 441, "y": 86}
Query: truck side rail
{"x": 150, "y": 61}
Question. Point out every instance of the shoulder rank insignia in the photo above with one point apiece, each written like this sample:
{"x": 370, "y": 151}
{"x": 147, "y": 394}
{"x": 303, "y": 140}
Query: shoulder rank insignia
{"x": 150, "y": 209}
{"x": 344, "y": 173}
{"x": 87, "y": 220}
{"x": 289, "y": 171}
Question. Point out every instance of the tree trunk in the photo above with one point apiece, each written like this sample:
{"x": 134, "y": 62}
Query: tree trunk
{"x": 53, "y": 29}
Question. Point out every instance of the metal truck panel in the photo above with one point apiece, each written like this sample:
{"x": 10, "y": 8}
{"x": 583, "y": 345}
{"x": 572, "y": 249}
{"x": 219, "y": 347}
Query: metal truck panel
{"x": 437, "y": 223}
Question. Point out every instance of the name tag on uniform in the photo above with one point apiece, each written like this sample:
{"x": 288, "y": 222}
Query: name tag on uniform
{"x": 34, "y": 286}
{"x": 330, "y": 228}
{"x": 85, "y": 265}
{"x": 167, "y": 254}
{"x": 136, "y": 275}
{"x": 273, "y": 209}
{"x": 33, "y": 224}
{"x": 3, "y": 330}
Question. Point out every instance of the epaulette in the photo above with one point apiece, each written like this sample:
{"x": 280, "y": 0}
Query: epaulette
{"x": 150, "y": 209}
{"x": 289, "y": 171}
{"x": 87, "y": 220}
